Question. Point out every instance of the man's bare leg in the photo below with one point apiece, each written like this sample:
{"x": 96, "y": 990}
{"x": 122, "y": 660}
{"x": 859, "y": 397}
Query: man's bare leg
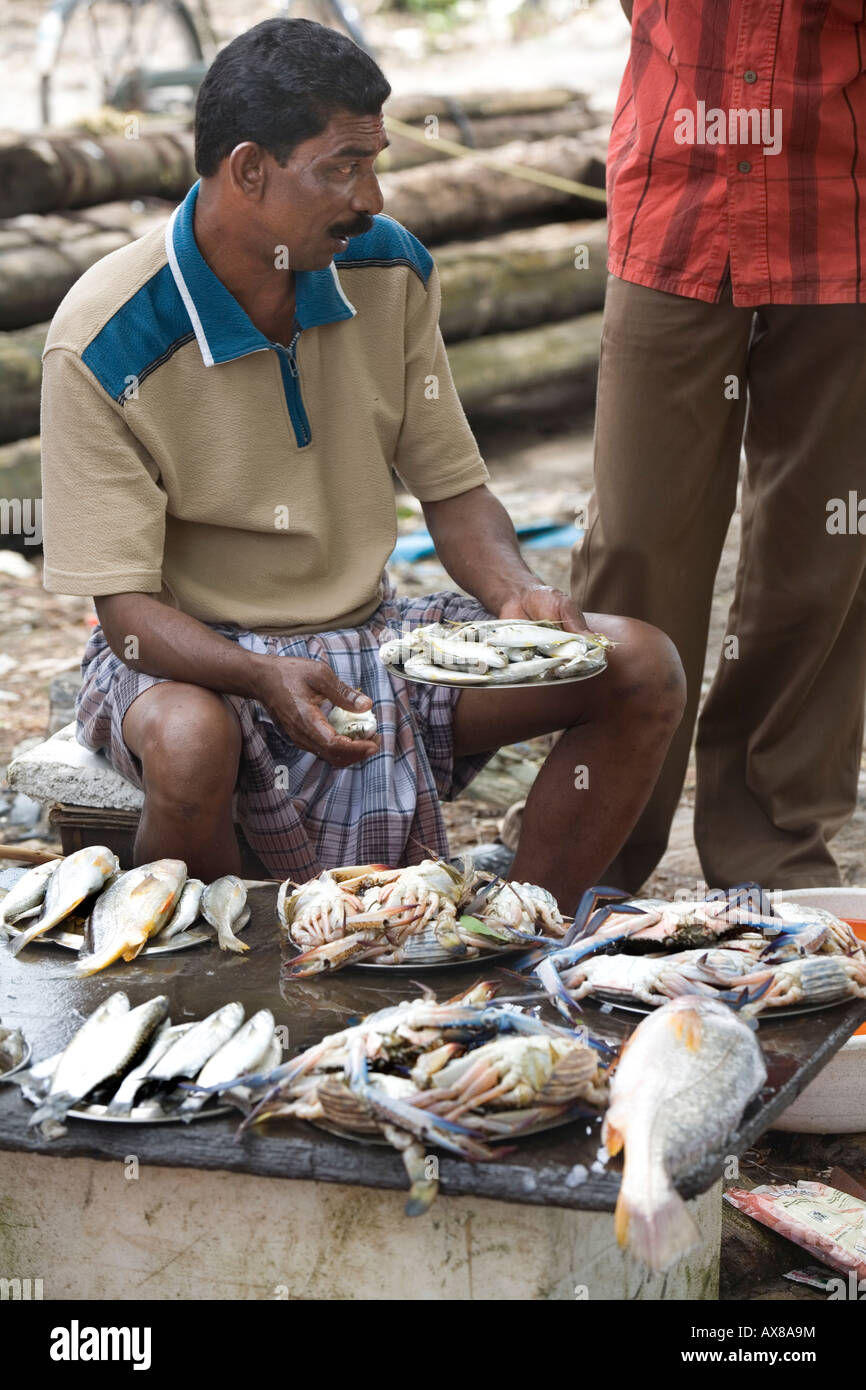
{"x": 188, "y": 741}
{"x": 600, "y": 773}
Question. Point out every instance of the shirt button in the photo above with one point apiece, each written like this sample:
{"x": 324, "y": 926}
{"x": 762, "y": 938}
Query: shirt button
{"x": 744, "y": 166}
{"x": 750, "y": 76}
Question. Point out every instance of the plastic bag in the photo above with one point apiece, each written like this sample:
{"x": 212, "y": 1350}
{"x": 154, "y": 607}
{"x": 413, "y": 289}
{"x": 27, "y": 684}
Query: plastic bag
{"x": 828, "y": 1223}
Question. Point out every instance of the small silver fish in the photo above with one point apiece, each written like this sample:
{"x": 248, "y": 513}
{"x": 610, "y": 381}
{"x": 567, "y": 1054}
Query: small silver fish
{"x": 74, "y": 879}
{"x": 224, "y": 905}
{"x": 187, "y": 910}
{"x": 166, "y": 1036}
{"x": 28, "y": 894}
{"x": 132, "y": 910}
{"x": 238, "y": 1057}
{"x": 102, "y": 1047}
{"x": 187, "y": 1056}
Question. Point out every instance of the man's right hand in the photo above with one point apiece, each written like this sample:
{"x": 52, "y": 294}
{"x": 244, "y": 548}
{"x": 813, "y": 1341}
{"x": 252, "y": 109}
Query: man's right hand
{"x": 294, "y": 689}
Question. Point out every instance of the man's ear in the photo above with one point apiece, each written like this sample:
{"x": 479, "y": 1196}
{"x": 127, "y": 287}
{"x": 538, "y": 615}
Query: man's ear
{"x": 246, "y": 167}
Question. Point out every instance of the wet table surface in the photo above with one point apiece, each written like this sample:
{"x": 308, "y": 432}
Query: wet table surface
{"x": 40, "y": 993}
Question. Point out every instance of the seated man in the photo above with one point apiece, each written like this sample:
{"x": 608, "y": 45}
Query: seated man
{"x": 223, "y": 407}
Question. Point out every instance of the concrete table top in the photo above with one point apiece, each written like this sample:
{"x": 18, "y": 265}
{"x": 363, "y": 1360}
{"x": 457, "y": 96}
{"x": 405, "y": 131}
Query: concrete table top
{"x": 40, "y": 993}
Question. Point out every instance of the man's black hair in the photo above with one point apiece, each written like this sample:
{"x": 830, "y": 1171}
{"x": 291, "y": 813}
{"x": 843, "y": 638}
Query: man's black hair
{"x": 279, "y": 84}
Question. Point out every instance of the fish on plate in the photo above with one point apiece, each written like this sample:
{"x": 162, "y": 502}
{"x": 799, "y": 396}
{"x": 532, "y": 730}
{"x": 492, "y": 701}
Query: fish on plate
{"x": 682, "y": 1084}
{"x": 75, "y": 878}
{"x": 102, "y": 1047}
{"x": 136, "y": 907}
{"x": 26, "y": 897}
{"x": 243, "y": 1053}
{"x": 187, "y": 909}
{"x": 224, "y": 906}
{"x": 189, "y": 1053}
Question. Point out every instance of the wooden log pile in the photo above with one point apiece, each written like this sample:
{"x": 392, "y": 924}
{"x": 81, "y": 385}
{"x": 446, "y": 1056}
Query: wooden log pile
{"x": 522, "y": 264}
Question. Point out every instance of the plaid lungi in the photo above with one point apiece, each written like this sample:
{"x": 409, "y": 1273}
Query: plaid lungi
{"x": 298, "y": 813}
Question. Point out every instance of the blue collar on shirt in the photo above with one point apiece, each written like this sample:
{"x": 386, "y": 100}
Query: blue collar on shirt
{"x": 222, "y": 328}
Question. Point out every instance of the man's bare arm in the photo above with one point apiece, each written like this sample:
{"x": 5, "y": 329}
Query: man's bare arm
{"x": 149, "y": 636}
{"x": 627, "y": 7}
{"x": 477, "y": 544}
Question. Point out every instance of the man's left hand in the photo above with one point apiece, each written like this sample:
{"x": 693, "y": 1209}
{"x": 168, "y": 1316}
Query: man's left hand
{"x": 544, "y": 604}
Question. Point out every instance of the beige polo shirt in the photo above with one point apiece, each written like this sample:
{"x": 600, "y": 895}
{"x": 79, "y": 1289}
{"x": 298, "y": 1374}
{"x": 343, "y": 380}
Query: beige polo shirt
{"x": 186, "y": 456}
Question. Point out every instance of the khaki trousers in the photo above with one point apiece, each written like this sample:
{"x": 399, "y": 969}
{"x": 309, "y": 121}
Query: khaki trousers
{"x": 780, "y": 734}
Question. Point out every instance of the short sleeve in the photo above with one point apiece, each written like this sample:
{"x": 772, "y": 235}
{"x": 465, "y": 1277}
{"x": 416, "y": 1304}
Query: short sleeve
{"x": 103, "y": 511}
{"x": 436, "y": 456}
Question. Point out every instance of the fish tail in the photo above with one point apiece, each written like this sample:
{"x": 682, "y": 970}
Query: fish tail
{"x": 53, "y": 1108}
{"x": 24, "y": 938}
{"x": 654, "y": 1223}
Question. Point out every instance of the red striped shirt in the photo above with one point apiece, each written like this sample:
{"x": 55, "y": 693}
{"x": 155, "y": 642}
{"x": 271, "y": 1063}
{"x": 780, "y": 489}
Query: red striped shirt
{"x": 739, "y": 143}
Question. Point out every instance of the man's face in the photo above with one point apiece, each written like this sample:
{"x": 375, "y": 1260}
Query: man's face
{"x": 326, "y": 192}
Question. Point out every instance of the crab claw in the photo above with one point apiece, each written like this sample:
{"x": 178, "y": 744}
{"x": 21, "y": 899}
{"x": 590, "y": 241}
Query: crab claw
{"x": 447, "y": 1134}
{"x": 552, "y": 980}
{"x": 587, "y": 907}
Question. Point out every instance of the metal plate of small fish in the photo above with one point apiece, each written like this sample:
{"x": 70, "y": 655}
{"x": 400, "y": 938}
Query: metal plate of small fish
{"x": 535, "y": 683}
{"x": 147, "y": 1114}
{"x": 10, "y": 1071}
{"x": 768, "y": 1015}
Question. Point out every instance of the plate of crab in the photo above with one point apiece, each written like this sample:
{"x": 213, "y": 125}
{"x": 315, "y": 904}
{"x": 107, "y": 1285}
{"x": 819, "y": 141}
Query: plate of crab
{"x": 749, "y": 948}
{"x": 427, "y": 915}
{"x": 496, "y": 652}
{"x": 466, "y": 1076}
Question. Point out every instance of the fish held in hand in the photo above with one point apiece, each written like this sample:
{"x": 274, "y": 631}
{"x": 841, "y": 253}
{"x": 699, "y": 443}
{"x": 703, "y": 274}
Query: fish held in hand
{"x": 136, "y": 906}
{"x": 686, "y": 1075}
{"x": 352, "y": 723}
{"x": 224, "y": 906}
{"x": 74, "y": 879}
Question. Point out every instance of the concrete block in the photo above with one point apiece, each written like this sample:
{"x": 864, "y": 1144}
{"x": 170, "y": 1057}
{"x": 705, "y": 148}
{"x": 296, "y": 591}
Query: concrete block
{"x": 62, "y": 770}
{"x": 101, "y": 1230}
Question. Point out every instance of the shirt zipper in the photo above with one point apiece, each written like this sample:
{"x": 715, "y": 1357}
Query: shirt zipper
{"x": 292, "y": 387}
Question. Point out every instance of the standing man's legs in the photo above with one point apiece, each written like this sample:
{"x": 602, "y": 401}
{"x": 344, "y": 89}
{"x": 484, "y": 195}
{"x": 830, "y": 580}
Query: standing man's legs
{"x": 780, "y": 735}
{"x": 669, "y": 427}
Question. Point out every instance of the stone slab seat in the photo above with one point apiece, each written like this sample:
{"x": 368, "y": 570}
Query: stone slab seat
{"x": 90, "y": 802}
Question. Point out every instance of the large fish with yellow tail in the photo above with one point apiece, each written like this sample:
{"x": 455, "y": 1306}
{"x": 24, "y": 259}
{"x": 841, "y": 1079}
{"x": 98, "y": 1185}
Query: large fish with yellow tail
{"x": 685, "y": 1077}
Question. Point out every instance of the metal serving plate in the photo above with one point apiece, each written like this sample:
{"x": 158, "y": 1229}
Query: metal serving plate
{"x": 767, "y": 1016}
{"x": 539, "y": 1128}
{"x": 536, "y": 683}
{"x": 73, "y": 941}
{"x": 19, "y": 1066}
{"x": 141, "y": 1115}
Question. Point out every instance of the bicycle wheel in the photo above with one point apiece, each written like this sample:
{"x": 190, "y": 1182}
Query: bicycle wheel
{"x": 86, "y": 49}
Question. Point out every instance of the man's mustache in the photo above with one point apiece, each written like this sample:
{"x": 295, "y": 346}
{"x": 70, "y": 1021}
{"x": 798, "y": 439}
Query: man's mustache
{"x": 357, "y": 228}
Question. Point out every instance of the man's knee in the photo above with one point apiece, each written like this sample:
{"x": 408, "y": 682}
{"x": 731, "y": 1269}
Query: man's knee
{"x": 189, "y": 744}
{"x": 645, "y": 671}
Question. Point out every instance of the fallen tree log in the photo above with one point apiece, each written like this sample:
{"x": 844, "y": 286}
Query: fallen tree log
{"x": 504, "y": 364}
{"x": 20, "y": 381}
{"x": 41, "y": 257}
{"x": 486, "y": 134}
{"x": 20, "y": 469}
{"x": 47, "y": 173}
{"x": 483, "y": 105}
{"x": 522, "y": 278}
{"x": 442, "y": 201}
